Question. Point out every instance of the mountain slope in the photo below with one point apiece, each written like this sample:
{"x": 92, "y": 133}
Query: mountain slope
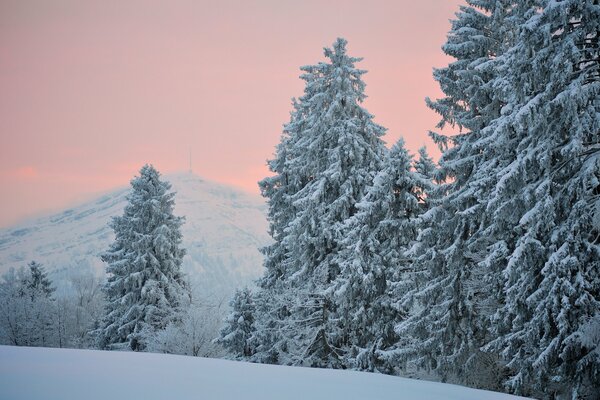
{"x": 40, "y": 373}
{"x": 224, "y": 229}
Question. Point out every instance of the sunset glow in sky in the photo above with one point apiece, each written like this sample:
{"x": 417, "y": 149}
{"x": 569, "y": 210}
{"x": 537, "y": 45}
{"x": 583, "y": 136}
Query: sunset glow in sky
{"x": 92, "y": 90}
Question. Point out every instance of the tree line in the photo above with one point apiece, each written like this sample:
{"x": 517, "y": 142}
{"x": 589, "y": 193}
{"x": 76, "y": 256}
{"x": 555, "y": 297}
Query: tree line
{"x": 481, "y": 270}
{"x": 144, "y": 304}
{"x": 33, "y": 314}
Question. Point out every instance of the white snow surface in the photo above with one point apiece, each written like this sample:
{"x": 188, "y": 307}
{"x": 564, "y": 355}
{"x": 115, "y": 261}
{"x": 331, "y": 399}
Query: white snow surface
{"x": 223, "y": 231}
{"x": 42, "y": 373}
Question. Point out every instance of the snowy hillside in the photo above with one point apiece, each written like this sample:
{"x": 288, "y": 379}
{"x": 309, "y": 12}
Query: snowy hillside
{"x": 224, "y": 229}
{"x": 40, "y": 373}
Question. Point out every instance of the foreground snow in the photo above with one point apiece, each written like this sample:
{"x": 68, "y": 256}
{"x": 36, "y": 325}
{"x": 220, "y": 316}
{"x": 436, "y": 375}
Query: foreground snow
{"x": 40, "y": 373}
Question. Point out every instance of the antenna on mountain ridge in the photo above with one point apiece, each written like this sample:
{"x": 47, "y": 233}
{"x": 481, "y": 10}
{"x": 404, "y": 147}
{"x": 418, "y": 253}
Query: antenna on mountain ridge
{"x": 191, "y": 161}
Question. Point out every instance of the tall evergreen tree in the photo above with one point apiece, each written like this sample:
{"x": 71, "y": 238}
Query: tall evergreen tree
{"x": 454, "y": 294}
{"x": 330, "y": 152}
{"x": 544, "y": 203}
{"x": 146, "y": 288}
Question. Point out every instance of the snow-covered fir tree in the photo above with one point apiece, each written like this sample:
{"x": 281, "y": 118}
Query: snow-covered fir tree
{"x": 239, "y": 325}
{"x": 453, "y": 294}
{"x": 373, "y": 267}
{"x": 146, "y": 289}
{"x": 37, "y": 283}
{"x": 544, "y": 203}
{"x": 329, "y": 153}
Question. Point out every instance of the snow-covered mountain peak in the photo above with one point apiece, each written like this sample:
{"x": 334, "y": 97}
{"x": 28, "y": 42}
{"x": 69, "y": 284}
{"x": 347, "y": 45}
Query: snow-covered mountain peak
{"x": 223, "y": 231}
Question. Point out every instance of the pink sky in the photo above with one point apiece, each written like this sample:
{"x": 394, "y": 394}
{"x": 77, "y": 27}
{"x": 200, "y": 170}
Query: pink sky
{"x": 92, "y": 90}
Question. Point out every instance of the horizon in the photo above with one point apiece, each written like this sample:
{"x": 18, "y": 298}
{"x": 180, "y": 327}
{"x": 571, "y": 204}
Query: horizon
{"x": 93, "y": 91}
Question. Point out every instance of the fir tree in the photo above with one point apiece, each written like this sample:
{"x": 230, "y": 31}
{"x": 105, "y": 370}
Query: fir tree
{"x": 279, "y": 190}
{"x": 239, "y": 325}
{"x": 146, "y": 288}
{"x": 550, "y": 241}
{"x": 37, "y": 283}
{"x": 453, "y": 293}
{"x": 330, "y": 152}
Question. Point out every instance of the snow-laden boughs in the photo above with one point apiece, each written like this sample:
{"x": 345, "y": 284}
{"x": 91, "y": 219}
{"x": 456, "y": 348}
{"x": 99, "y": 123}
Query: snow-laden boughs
{"x": 278, "y": 190}
{"x": 545, "y": 202}
{"x": 329, "y": 153}
{"x": 146, "y": 289}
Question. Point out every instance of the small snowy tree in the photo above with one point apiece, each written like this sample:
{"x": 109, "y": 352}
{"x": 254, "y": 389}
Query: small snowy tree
{"x": 193, "y": 335}
{"x": 86, "y": 307}
{"x": 239, "y": 325}
{"x": 146, "y": 288}
{"x": 37, "y": 283}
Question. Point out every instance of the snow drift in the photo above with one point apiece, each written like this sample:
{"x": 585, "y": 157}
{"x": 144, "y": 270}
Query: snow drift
{"x": 41, "y": 373}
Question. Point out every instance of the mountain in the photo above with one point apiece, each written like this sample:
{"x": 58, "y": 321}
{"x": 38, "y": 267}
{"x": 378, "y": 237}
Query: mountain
{"x": 223, "y": 231}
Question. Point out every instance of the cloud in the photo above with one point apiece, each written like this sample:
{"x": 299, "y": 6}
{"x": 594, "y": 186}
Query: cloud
{"x": 25, "y": 172}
